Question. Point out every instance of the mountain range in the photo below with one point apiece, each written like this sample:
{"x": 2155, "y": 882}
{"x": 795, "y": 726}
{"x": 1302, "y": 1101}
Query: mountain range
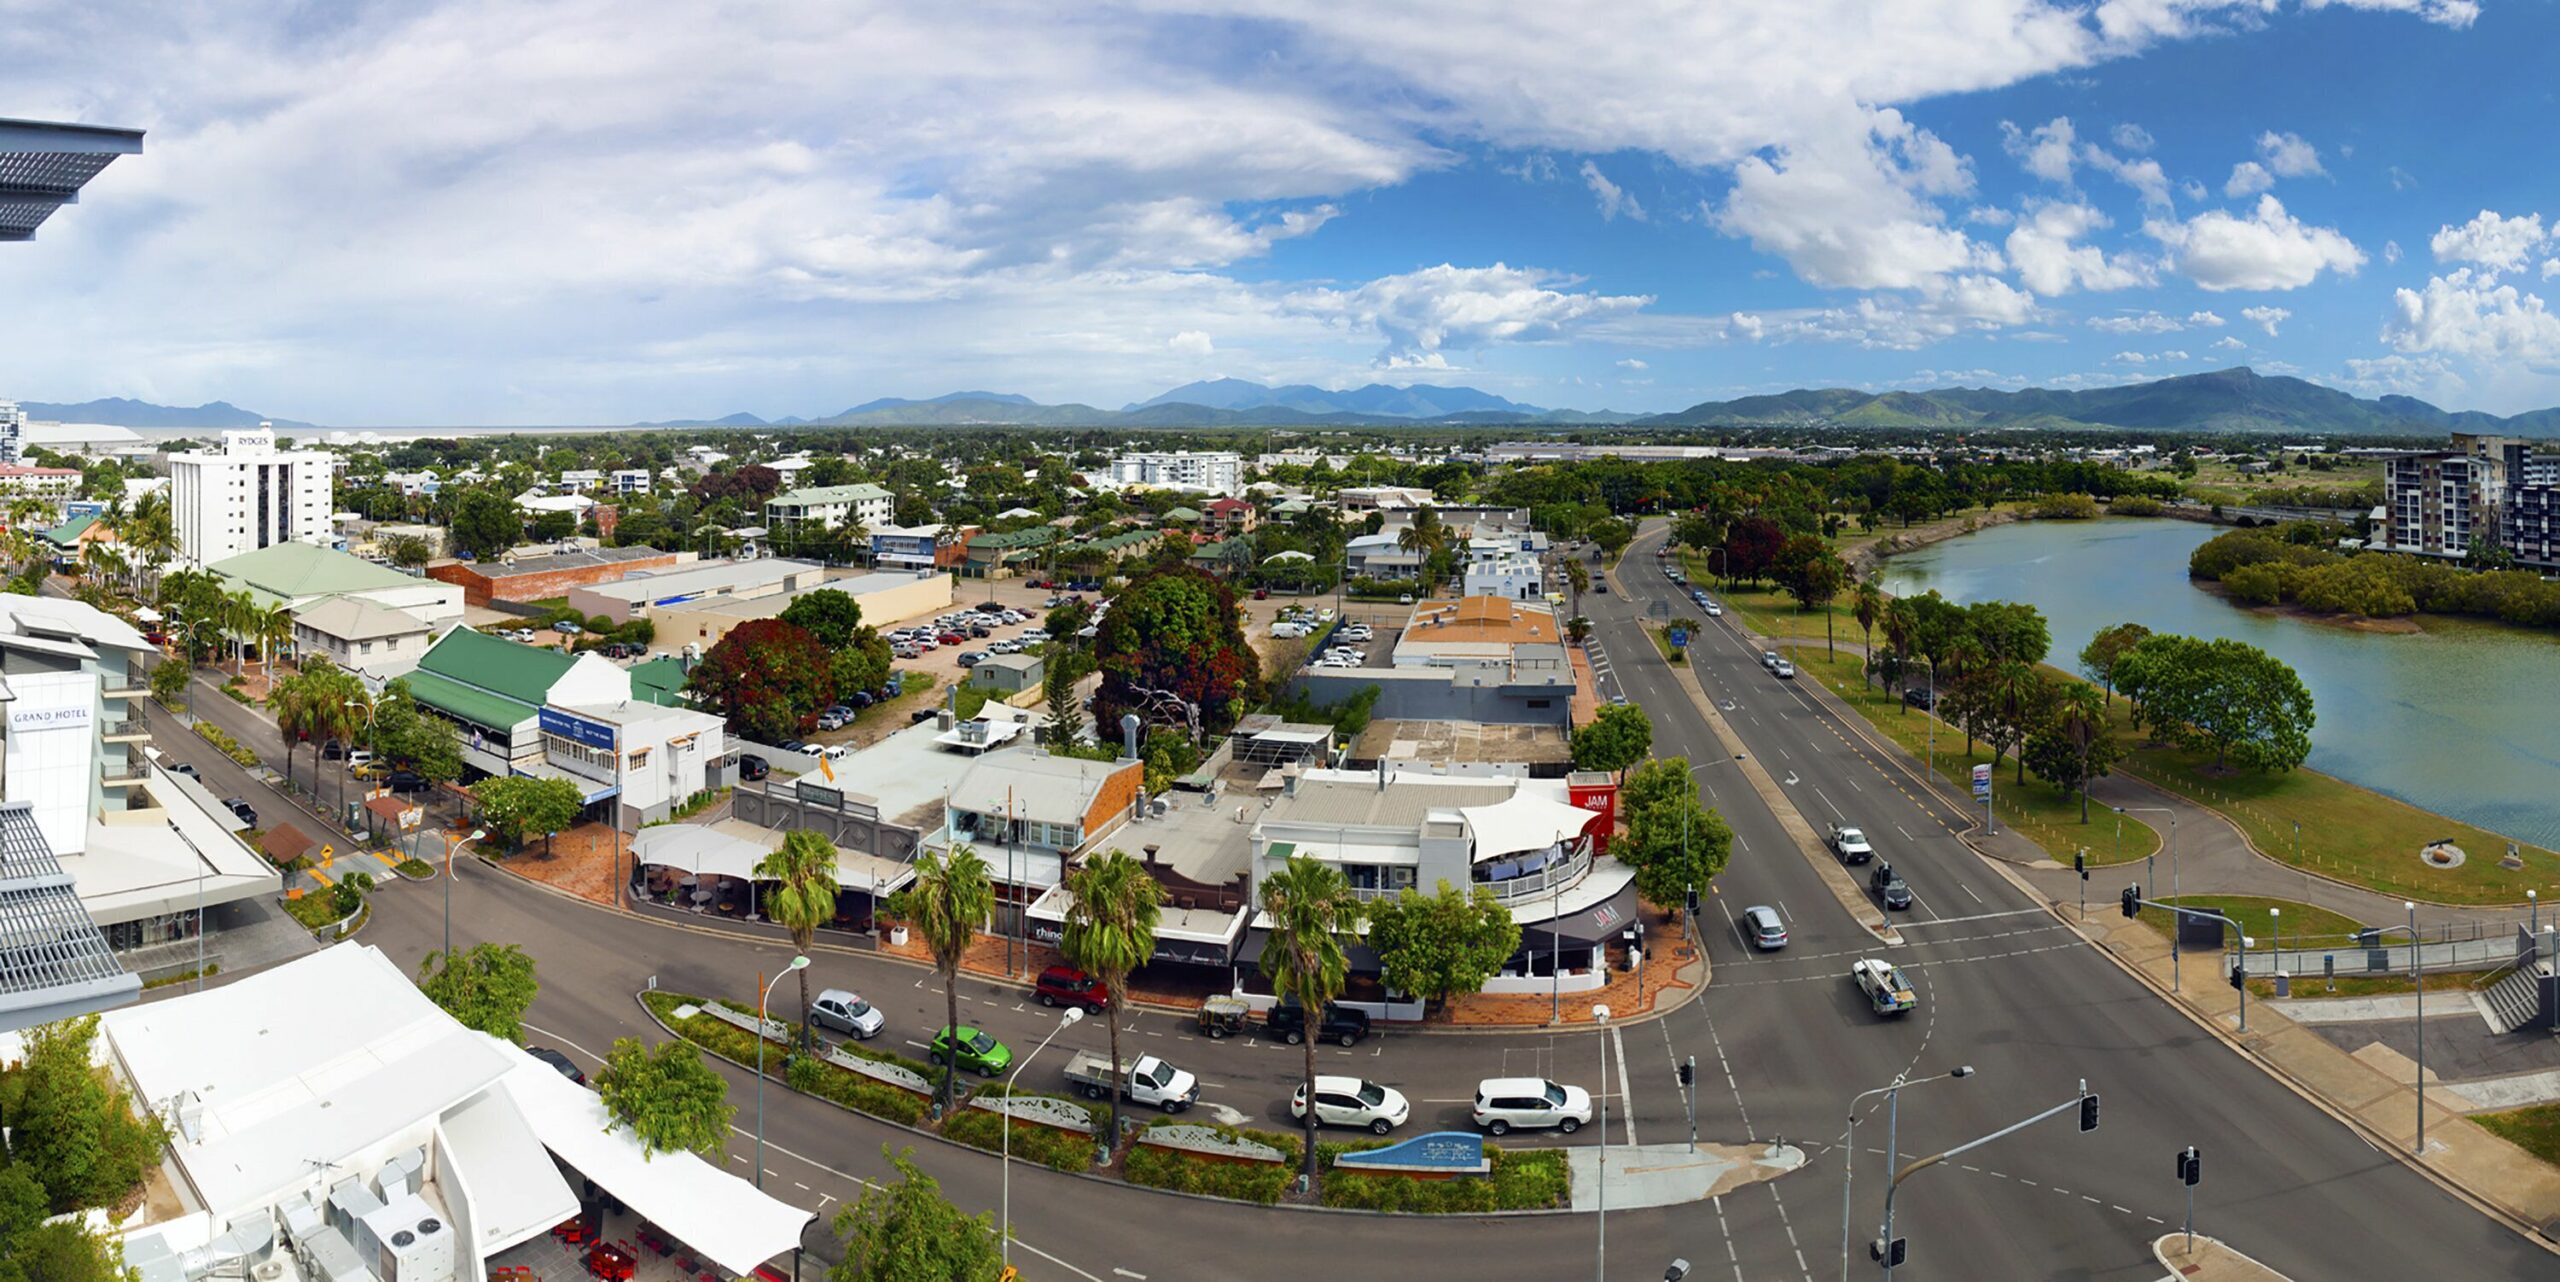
{"x": 2232, "y": 400}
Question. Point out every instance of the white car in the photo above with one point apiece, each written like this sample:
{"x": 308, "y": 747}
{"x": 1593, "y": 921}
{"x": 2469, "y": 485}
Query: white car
{"x": 1786, "y": 669}
{"x": 1714, "y": 611}
{"x": 830, "y": 751}
{"x": 1352, "y": 1101}
{"x": 1505, "y": 1103}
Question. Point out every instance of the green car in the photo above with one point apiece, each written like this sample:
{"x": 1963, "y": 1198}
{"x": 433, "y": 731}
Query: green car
{"x": 979, "y": 1052}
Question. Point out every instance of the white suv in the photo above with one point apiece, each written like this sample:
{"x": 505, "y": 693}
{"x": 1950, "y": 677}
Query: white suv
{"x": 1352, "y": 1101}
{"x": 1505, "y": 1102}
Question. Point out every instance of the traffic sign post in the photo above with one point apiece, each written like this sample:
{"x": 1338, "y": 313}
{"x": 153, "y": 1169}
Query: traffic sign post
{"x": 1982, "y": 793}
{"x": 2191, "y": 1173}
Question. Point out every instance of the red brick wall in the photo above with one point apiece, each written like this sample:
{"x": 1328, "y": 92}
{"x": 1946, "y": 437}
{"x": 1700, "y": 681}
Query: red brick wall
{"x": 480, "y": 589}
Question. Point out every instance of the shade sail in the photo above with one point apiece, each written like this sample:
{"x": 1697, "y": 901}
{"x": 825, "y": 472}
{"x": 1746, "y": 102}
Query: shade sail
{"x": 1525, "y": 822}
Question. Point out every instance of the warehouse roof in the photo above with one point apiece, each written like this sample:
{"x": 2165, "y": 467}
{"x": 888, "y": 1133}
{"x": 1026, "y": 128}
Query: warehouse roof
{"x": 297, "y": 570}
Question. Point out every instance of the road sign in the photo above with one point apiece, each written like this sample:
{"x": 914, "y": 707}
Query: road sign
{"x": 1679, "y": 638}
{"x": 1981, "y": 782}
{"x": 327, "y": 853}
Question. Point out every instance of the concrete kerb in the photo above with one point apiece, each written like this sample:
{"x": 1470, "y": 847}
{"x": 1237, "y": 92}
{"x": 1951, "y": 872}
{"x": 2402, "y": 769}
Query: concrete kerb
{"x": 1105, "y": 1180}
{"x": 1661, "y": 1007}
{"x": 2219, "y": 1262}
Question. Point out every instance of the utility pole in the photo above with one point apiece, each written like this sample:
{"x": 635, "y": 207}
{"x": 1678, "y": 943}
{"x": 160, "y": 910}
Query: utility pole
{"x": 1889, "y": 1251}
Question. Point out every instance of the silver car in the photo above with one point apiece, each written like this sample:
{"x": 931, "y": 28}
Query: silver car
{"x": 847, "y": 1013}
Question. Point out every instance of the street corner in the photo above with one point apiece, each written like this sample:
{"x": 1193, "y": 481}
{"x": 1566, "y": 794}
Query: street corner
{"x": 1651, "y": 1175}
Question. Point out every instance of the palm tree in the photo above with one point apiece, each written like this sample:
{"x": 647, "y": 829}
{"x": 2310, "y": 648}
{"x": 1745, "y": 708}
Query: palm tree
{"x": 1866, "y": 601}
{"x": 945, "y": 903}
{"x": 803, "y": 897}
{"x": 1110, "y": 931}
{"x": 2080, "y": 713}
{"x": 239, "y": 618}
{"x": 2016, "y": 688}
{"x": 290, "y": 699}
{"x": 274, "y": 627}
{"x": 1311, "y": 907}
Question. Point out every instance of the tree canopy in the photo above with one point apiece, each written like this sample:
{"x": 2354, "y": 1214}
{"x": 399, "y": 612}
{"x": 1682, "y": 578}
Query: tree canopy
{"x": 2231, "y": 698}
{"x": 1442, "y": 945}
{"x": 1673, "y": 840}
{"x": 488, "y": 987}
{"x": 905, "y": 1230}
{"x": 1180, "y": 631}
{"x": 71, "y": 1126}
{"x": 485, "y": 523}
{"x": 517, "y": 807}
{"x": 770, "y": 678}
{"x": 828, "y": 614}
{"x": 1616, "y": 739}
{"x": 667, "y": 1096}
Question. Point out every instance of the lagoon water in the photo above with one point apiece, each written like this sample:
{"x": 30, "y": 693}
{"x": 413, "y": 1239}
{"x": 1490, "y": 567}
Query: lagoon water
{"x": 2463, "y": 719}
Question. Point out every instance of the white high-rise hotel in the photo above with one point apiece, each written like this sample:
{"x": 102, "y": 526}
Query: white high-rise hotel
{"x": 249, "y": 495}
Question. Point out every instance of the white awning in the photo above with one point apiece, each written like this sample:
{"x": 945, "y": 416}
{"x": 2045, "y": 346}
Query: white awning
{"x": 1526, "y": 822}
{"x": 719, "y": 851}
{"x": 715, "y": 1213}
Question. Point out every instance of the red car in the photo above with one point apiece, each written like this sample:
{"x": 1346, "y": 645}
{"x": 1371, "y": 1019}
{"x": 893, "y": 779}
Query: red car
{"x": 953, "y": 638}
{"x": 1067, "y": 986}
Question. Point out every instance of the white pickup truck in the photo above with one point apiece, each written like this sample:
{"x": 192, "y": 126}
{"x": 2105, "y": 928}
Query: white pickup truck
{"x": 1884, "y": 986}
{"x": 1851, "y": 845}
{"x": 1145, "y": 1080}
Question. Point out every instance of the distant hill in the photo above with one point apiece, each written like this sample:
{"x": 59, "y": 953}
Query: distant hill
{"x": 2231, "y": 400}
{"x": 1421, "y": 400}
{"x": 1224, "y": 402}
{"x": 120, "y": 412}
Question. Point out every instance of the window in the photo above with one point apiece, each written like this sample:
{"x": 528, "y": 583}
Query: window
{"x": 639, "y": 757}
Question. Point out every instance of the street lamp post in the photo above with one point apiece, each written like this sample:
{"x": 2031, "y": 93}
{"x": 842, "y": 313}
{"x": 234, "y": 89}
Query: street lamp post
{"x": 1073, "y": 1015}
{"x": 2150, "y": 868}
{"x": 763, "y": 1000}
{"x": 452, "y": 844}
{"x": 1600, "y": 1018}
{"x": 1892, "y": 1093}
{"x": 2419, "y": 983}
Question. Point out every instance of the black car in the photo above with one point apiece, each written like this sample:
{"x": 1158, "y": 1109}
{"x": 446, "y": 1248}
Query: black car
{"x": 1920, "y": 697}
{"x": 1288, "y": 1022}
{"x": 791, "y": 745}
{"x": 863, "y": 699}
{"x": 752, "y": 767}
{"x": 240, "y": 806}
{"x": 922, "y": 715}
{"x": 1889, "y": 886}
{"x": 333, "y": 751}
{"x": 558, "y": 1061}
{"x": 405, "y": 782}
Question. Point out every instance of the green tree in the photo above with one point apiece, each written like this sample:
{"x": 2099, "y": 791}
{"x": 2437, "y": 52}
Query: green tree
{"x": 771, "y": 679}
{"x": 1176, "y": 631}
{"x": 71, "y": 1125}
{"x": 1311, "y": 908}
{"x": 827, "y": 614}
{"x": 407, "y": 551}
{"x": 905, "y": 1230}
{"x": 408, "y": 735}
{"x": 169, "y": 683}
{"x": 2071, "y": 744}
{"x": 488, "y": 987}
{"x": 2233, "y": 698}
{"x": 1814, "y": 581}
{"x": 1612, "y": 535}
{"x": 34, "y": 1251}
{"x": 802, "y": 897}
{"x": 1615, "y": 740}
{"x": 667, "y": 1096}
{"x": 948, "y": 898}
{"x": 1111, "y": 930}
{"x": 862, "y": 663}
{"x": 1444, "y": 945}
{"x": 1673, "y": 840}
{"x": 518, "y": 806}
{"x": 2009, "y": 630}
{"x": 486, "y": 523}
{"x": 2098, "y": 658}
{"x": 1866, "y": 605}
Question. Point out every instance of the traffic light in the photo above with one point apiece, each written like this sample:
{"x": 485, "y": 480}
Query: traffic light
{"x": 1889, "y": 1254}
{"x": 2132, "y": 901}
{"x": 2191, "y": 1167}
{"x": 2080, "y": 863}
{"x": 2237, "y": 974}
{"x": 1693, "y": 901}
{"x": 1688, "y": 1073}
{"x": 2089, "y": 1111}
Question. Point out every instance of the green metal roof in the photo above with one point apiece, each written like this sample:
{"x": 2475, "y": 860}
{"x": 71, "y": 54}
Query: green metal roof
{"x": 524, "y": 673}
{"x": 494, "y": 712}
{"x": 1183, "y": 514}
{"x": 298, "y": 570}
{"x": 659, "y": 681}
{"x": 68, "y": 533}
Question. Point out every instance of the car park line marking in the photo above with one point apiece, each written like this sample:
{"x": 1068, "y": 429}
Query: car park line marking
{"x": 1141, "y": 1277}
{"x": 1969, "y": 890}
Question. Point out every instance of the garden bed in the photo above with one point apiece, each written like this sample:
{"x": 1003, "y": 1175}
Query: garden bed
{"x": 807, "y": 1074}
{"x": 1521, "y": 1180}
{"x": 1244, "y": 1181}
{"x": 1059, "y": 1150}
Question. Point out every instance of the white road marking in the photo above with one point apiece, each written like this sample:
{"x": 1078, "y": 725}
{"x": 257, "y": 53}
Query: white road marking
{"x": 2014, "y": 912}
{"x": 1626, "y": 1089}
{"x": 1141, "y": 1277}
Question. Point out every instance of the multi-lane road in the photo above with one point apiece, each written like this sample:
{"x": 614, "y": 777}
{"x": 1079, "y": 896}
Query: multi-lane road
{"x": 1782, "y": 1041}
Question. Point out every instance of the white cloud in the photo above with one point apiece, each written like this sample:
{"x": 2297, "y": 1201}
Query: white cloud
{"x": 2129, "y": 358}
{"x": 2136, "y": 323}
{"x": 2266, "y": 318}
{"x": 2443, "y": 13}
{"x": 1747, "y": 327}
{"x": 2144, "y": 176}
{"x": 2289, "y": 156}
{"x": 2550, "y": 268}
{"x": 1961, "y": 305}
{"x": 1613, "y": 199}
{"x": 2270, "y": 249}
{"x": 2047, "y": 261}
{"x": 2204, "y": 320}
{"x": 2044, "y": 151}
{"x": 1191, "y": 342}
{"x": 2248, "y": 178}
{"x": 1421, "y": 314}
{"x": 1632, "y": 363}
{"x": 2500, "y": 244}
{"x": 1990, "y": 216}
{"x": 2132, "y": 137}
{"x": 2469, "y": 314}
{"x": 1852, "y": 208}
{"x": 2228, "y": 343}
{"x": 2391, "y": 251}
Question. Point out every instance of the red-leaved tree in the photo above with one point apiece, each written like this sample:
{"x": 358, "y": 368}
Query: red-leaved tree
{"x": 769, "y": 678}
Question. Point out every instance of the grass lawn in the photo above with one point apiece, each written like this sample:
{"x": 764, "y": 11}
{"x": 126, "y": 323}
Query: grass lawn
{"x": 2362, "y": 984}
{"x": 2350, "y": 833}
{"x": 2535, "y": 1129}
{"x": 1765, "y": 610}
{"x": 2305, "y": 925}
{"x": 2046, "y": 816}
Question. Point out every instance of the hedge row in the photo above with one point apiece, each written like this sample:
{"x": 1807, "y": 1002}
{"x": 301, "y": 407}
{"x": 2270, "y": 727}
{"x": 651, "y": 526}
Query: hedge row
{"x": 1527, "y": 1180}
{"x": 1262, "y": 1182}
{"x": 806, "y": 1074}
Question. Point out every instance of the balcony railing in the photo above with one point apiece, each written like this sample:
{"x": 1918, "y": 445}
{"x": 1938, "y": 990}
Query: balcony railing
{"x": 129, "y": 730}
{"x": 1540, "y": 884}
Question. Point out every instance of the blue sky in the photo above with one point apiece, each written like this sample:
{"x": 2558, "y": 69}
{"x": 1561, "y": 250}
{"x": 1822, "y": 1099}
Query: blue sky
{"x": 587, "y": 212}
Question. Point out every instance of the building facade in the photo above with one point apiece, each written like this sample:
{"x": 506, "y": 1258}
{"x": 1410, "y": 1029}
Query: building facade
{"x": 2484, "y": 494}
{"x": 250, "y": 494}
{"x": 912, "y": 547}
{"x": 828, "y": 507}
{"x": 1199, "y": 472}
